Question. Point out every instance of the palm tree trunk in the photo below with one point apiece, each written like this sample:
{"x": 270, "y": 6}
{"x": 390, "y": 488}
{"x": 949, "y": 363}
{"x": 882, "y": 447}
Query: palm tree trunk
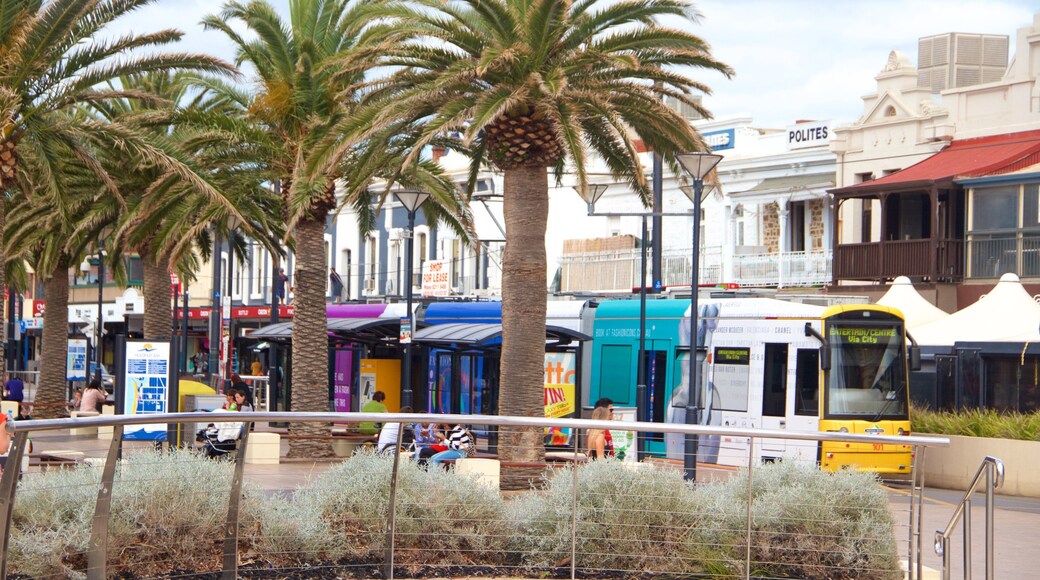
{"x": 522, "y": 381}
{"x": 310, "y": 353}
{"x": 158, "y": 314}
{"x": 55, "y": 349}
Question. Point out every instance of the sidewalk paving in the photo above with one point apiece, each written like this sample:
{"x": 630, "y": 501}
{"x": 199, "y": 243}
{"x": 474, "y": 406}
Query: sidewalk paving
{"x": 1017, "y": 520}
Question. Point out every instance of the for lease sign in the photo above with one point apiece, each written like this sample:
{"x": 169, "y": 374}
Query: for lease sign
{"x": 436, "y": 278}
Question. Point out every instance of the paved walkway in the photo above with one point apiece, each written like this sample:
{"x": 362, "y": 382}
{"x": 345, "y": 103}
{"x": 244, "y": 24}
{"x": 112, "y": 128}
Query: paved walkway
{"x": 1017, "y": 520}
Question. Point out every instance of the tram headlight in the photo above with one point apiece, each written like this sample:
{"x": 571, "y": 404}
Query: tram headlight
{"x": 901, "y": 431}
{"x": 843, "y": 430}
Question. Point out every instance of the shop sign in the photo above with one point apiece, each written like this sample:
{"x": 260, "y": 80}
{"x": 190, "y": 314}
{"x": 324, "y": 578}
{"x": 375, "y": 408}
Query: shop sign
{"x": 719, "y": 140}
{"x": 38, "y": 308}
{"x": 259, "y": 312}
{"x": 803, "y": 135}
{"x": 436, "y": 279}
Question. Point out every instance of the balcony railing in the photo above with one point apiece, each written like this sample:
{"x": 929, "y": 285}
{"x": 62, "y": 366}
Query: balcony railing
{"x": 783, "y": 269}
{"x": 936, "y": 259}
{"x": 619, "y": 270}
{"x": 995, "y": 257}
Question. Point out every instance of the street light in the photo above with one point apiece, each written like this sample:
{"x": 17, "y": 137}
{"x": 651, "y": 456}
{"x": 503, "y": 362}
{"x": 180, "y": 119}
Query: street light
{"x": 411, "y": 200}
{"x": 698, "y": 165}
{"x": 99, "y": 351}
{"x": 591, "y": 192}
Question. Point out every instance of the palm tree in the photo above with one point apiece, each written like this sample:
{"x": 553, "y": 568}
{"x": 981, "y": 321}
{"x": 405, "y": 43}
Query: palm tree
{"x": 308, "y": 72}
{"x": 168, "y": 222}
{"x": 55, "y": 59}
{"x": 533, "y": 85}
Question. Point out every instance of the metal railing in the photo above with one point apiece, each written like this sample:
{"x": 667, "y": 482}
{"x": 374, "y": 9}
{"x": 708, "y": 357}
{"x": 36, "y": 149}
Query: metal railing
{"x": 619, "y": 270}
{"x": 97, "y": 550}
{"x": 812, "y": 268}
{"x": 992, "y": 473}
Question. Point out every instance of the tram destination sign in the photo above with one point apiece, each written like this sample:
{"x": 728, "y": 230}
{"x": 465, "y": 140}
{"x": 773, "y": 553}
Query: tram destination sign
{"x": 863, "y": 334}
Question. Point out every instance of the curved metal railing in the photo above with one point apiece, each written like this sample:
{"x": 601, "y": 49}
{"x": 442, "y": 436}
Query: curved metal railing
{"x": 992, "y": 473}
{"x": 98, "y": 545}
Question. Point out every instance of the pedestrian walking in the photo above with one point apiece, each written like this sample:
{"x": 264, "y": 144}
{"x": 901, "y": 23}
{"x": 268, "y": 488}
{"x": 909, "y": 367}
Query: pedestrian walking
{"x": 337, "y": 285}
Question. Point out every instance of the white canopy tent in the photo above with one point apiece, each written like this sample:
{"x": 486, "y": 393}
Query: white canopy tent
{"x": 1007, "y": 314}
{"x": 916, "y": 310}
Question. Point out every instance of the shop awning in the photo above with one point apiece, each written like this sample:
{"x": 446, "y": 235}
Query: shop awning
{"x": 794, "y": 187}
{"x": 351, "y": 329}
{"x": 481, "y": 334}
{"x": 979, "y": 157}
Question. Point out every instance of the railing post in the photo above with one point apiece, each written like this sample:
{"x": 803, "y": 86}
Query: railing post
{"x": 966, "y": 530}
{"x": 750, "y": 497}
{"x": 574, "y": 506}
{"x": 97, "y": 553}
{"x": 391, "y": 515}
{"x": 8, "y": 486}
{"x": 231, "y": 527}
{"x": 920, "y": 457}
{"x": 911, "y": 551}
{"x": 991, "y": 477}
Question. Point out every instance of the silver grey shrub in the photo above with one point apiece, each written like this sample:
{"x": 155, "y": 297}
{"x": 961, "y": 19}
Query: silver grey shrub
{"x": 805, "y": 523}
{"x": 168, "y": 512}
{"x": 442, "y": 519}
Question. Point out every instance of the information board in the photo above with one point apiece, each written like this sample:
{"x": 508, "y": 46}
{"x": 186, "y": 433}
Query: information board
{"x": 146, "y": 377}
{"x": 76, "y": 365}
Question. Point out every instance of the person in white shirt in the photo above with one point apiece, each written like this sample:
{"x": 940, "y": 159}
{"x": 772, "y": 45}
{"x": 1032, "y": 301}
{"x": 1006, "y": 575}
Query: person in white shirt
{"x": 388, "y": 435}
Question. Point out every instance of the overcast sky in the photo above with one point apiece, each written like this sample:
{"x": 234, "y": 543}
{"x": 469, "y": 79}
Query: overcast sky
{"x": 794, "y": 59}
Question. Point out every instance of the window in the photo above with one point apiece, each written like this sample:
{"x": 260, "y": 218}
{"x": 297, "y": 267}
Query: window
{"x": 371, "y": 265}
{"x": 421, "y": 255}
{"x": 774, "y": 381}
{"x": 866, "y": 221}
{"x": 615, "y": 374}
{"x": 1004, "y": 231}
{"x": 890, "y": 111}
{"x": 456, "y": 263}
{"x": 807, "y": 382}
{"x": 797, "y": 226}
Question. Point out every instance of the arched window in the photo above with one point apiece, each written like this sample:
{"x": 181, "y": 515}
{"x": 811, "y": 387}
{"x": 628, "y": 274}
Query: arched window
{"x": 890, "y": 111}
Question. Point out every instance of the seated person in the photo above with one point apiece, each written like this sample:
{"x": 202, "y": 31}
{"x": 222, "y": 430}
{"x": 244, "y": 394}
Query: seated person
{"x": 14, "y": 389}
{"x": 460, "y": 444}
{"x": 240, "y": 401}
{"x": 238, "y": 383}
{"x": 376, "y": 405}
{"x": 24, "y": 412}
{"x": 93, "y": 397}
{"x": 424, "y": 435}
{"x": 388, "y": 435}
{"x": 439, "y": 443}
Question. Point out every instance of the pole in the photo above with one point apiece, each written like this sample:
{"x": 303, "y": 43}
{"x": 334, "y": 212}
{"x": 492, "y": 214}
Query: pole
{"x": 406, "y": 372}
{"x": 693, "y": 410}
{"x": 215, "y": 322}
{"x": 99, "y": 350}
{"x": 11, "y": 352}
{"x": 230, "y": 296}
{"x": 657, "y": 225}
{"x": 184, "y": 329}
{"x": 641, "y": 360}
{"x": 272, "y": 349}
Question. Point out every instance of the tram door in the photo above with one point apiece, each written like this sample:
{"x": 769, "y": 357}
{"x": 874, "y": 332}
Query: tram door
{"x": 658, "y": 391}
{"x": 774, "y": 398}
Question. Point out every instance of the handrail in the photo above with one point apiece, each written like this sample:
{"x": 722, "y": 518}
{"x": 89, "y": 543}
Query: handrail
{"x": 282, "y": 416}
{"x": 994, "y": 470}
{"x": 21, "y": 430}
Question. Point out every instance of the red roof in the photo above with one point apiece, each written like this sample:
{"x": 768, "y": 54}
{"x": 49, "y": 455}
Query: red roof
{"x": 979, "y": 157}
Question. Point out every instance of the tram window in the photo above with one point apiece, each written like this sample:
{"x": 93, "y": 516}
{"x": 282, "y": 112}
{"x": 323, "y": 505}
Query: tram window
{"x": 774, "y": 381}
{"x": 807, "y": 382}
{"x": 615, "y": 374}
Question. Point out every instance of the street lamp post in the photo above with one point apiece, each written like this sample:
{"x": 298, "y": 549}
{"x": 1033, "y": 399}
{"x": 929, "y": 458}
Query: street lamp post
{"x": 99, "y": 351}
{"x": 591, "y": 195}
{"x": 698, "y": 165}
{"x": 411, "y": 200}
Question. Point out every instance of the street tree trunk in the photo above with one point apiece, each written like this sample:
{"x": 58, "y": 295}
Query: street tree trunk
{"x": 158, "y": 313}
{"x": 310, "y": 340}
{"x": 54, "y": 352}
{"x": 522, "y": 383}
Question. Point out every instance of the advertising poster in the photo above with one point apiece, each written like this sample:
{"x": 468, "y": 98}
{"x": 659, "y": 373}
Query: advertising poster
{"x": 380, "y": 375}
{"x": 624, "y": 441}
{"x": 341, "y": 379}
{"x": 559, "y": 394}
{"x": 76, "y": 366}
{"x": 147, "y": 375}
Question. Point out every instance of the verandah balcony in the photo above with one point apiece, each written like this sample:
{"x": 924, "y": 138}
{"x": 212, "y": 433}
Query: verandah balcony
{"x": 935, "y": 259}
